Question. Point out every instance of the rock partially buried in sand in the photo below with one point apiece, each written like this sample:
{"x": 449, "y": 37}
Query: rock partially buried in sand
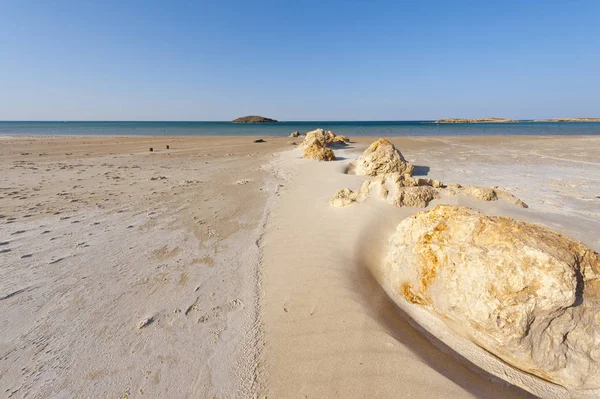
{"x": 325, "y": 138}
{"x": 485, "y": 193}
{"x": 395, "y": 188}
{"x": 259, "y": 141}
{"x": 319, "y": 152}
{"x": 343, "y": 197}
{"x": 145, "y": 322}
{"x": 295, "y": 134}
{"x": 526, "y": 294}
{"x": 382, "y": 157}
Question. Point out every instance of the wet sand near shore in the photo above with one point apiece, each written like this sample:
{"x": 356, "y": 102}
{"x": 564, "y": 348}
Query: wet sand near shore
{"x": 216, "y": 268}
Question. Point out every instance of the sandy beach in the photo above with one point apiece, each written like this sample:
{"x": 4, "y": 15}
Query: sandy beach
{"x": 217, "y": 268}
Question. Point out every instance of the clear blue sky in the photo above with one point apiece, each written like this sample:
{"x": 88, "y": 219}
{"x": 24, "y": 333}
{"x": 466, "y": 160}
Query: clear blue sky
{"x": 298, "y": 60}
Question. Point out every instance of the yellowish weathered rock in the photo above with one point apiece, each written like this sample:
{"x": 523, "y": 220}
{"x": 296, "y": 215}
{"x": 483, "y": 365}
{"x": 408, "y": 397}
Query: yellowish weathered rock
{"x": 343, "y": 197}
{"x": 324, "y": 137}
{"x": 395, "y": 188}
{"x": 319, "y": 152}
{"x": 526, "y": 294}
{"x": 486, "y": 193}
{"x": 382, "y": 157}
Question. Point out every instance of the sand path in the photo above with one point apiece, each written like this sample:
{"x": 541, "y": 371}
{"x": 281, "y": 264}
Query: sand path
{"x": 330, "y": 330}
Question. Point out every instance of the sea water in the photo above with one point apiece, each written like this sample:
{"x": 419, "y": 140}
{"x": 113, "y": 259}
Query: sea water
{"x": 369, "y": 128}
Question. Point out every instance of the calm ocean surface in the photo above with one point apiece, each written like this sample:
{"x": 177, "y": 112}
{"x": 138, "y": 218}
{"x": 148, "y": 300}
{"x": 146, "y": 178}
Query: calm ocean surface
{"x": 398, "y": 128}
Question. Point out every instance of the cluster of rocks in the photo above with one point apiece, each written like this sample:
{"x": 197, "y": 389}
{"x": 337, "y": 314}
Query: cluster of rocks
{"x": 394, "y": 183}
{"x": 526, "y": 294}
{"x": 395, "y": 188}
{"x": 316, "y": 144}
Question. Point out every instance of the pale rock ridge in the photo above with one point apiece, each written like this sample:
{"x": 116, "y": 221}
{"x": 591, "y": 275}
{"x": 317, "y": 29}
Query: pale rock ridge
{"x": 485, "y": 193}
{"x": 526, "y": 294}
{"x": 380, "y": 158}
{"x": 395, "y": 188}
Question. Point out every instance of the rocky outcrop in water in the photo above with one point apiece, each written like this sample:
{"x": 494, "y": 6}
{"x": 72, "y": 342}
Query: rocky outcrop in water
{"x": 382, "y": 157}
{"x": 569, "y": 120}
{"x": 526, "y": 294}
{"x": 254, "y": 119}
{"x": 476, "y": 120}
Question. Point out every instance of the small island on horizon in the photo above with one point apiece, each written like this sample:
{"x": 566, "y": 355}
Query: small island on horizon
{"x": 254, "y": 119}
{"x": 569, "y": 120}
{"x": 508, "y": 120}
{"x": 476, "y": 120}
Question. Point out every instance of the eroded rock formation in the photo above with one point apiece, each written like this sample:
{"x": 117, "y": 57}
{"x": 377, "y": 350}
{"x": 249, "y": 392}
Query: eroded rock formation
{"x": 395, "y": 188}
{"x": 319, "y": 152}
{"x": 485, "y": 193}
{"x": 526, "y": 294}
{"x": 324, "y": 137}
{"x": 380, "y": 158}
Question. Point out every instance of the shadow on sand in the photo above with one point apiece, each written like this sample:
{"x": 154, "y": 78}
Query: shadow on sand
{"x": 399, "y": 325}
{"x": 421, "y": 170}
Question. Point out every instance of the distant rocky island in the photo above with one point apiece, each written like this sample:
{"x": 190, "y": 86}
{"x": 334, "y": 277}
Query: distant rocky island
{"x": 254, "y": 119}
{"x": 569, "y": 120}
{"x": 475, "y": 120}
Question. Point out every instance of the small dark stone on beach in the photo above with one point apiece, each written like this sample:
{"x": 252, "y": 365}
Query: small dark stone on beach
{"x": 151, "y": 149}
{"x": 167, "y": 146}
{"x": 259, "y": 141}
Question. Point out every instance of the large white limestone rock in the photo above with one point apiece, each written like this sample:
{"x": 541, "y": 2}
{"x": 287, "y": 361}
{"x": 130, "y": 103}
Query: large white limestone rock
{"x": 526, "y": 294}
{"x": 382, "y": 157}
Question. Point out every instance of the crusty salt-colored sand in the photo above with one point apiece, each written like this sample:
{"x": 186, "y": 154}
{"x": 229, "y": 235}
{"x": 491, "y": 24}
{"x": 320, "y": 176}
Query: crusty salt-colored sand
{"x": 129, "y": 273}
{"x": 217, "y": 268}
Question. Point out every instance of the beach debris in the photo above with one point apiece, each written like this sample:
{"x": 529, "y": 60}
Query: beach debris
{"x": 167, "y": 147}
{"x": 524, "y": 293}
{"x": 157, "y": 178}
{"x": 151, "y": 149}
{"x": 295, "y": 134}
{"x": 260, "y": 141}
{"x": 145, "y": 322}
{"x": 291, "y": 142}
{"x": 382, "y": 157}
{"x": 319, "y": 152}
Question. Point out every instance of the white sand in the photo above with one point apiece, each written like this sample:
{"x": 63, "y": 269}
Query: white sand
{"x": 102, "y": 241}
{"x": 331, "y": 331}
{"x": 249, "y": 282}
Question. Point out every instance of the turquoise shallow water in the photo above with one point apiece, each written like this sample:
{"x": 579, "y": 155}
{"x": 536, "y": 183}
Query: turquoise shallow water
{"x": 393, "y": 128}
